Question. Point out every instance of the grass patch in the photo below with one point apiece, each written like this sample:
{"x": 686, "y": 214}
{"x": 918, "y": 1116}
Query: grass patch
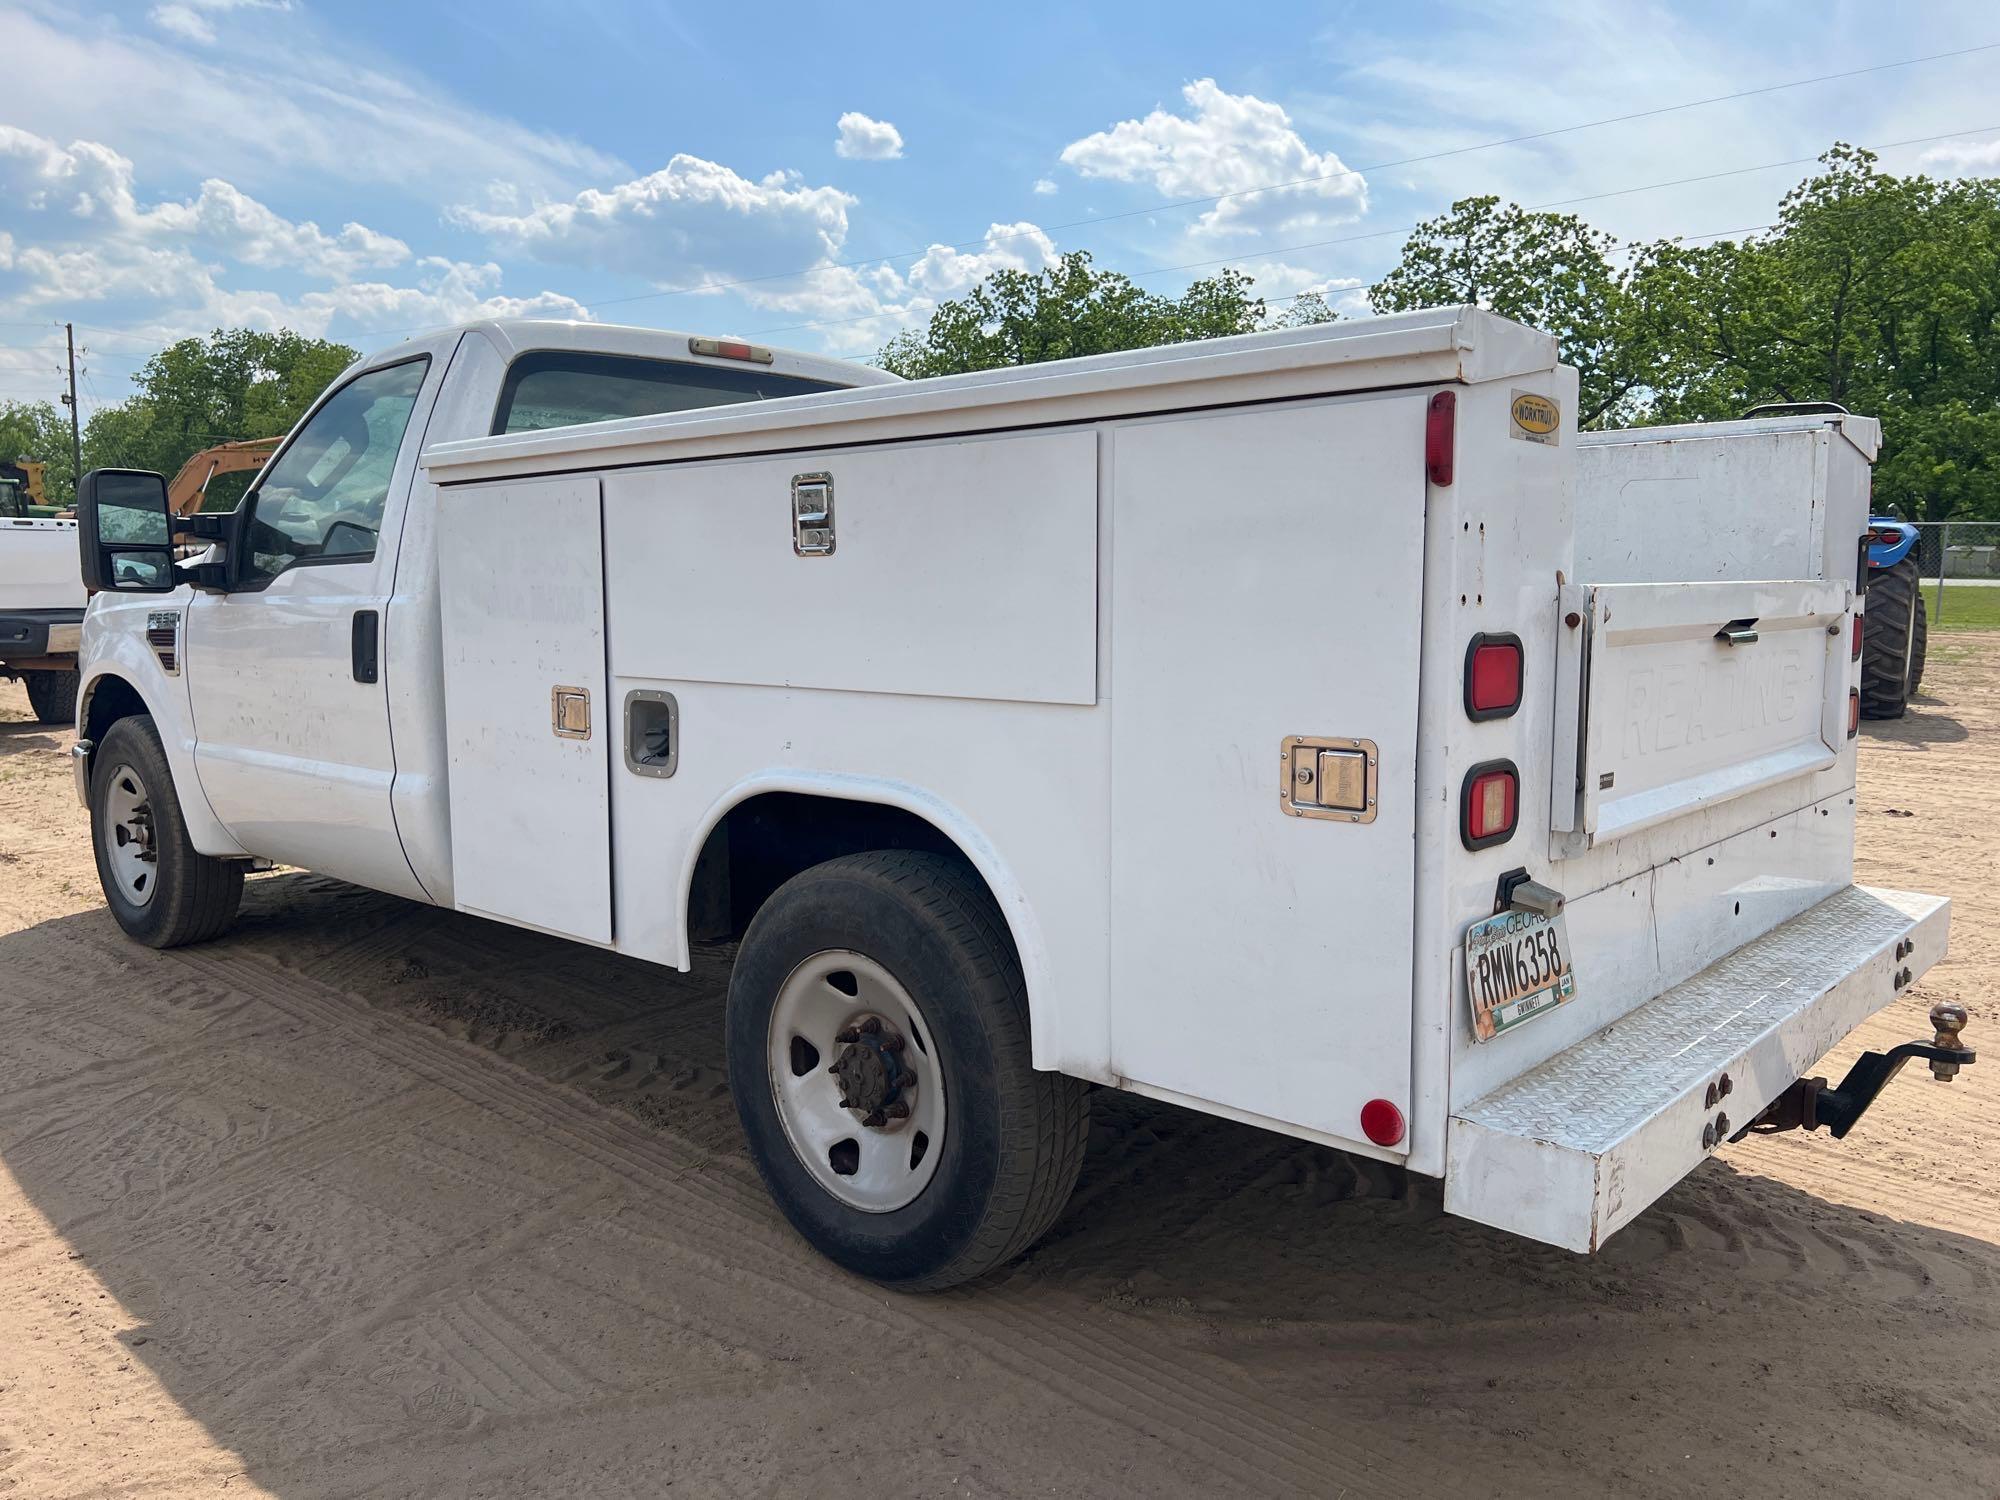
{"x": 1967, "y": 606}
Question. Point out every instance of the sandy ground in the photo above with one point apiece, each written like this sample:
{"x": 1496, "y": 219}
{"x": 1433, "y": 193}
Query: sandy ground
{"x": 366, "y": 1199}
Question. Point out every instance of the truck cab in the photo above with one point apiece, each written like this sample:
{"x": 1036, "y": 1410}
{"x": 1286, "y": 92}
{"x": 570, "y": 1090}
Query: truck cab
{"x": 297, "y": 701}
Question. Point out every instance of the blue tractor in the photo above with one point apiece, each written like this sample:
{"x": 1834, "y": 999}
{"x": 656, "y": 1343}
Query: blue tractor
{"x": 1893, "y": 626}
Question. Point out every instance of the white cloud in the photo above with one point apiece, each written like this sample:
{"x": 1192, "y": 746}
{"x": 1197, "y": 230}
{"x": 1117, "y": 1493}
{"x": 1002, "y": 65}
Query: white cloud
{"x": 691, "y": 222}
{"x": 88, "y": 181}
{"x": 1044, "y": 186}
{"x": 272, "y": 109}
{"x": 1228, "y": 143}
{"x": 1964, "y": 158}
{"x": 84, "y": 237}
{"x": 863, "y": 139}
{"x": 190, "y": 18}
{"x": 870, "y": 303}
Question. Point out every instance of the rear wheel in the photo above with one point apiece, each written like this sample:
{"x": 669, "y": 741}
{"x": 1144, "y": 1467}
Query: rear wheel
{"x": 879, "y": 1057}
{"x": 52, "y": 695}
{"x": 1888, "y": 640}
{"x": 161, "y": 889}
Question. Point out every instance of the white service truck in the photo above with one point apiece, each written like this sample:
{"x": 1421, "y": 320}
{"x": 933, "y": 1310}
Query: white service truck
{"x": 41, "y": 604}
{"x": 1309, "y": 728}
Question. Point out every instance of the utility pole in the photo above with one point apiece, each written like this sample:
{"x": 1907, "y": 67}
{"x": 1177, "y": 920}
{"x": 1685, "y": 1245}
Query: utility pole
{"x": 75, "y": 426}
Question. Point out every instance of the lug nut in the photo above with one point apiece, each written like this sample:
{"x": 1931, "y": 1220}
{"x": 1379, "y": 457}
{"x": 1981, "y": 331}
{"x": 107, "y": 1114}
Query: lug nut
{"x": 877, "y": 1118}
{"x": 893, "y": 1044}
{"x": 871, "y": 1024}
{"x": 899, "y": 1110}
{"x": 847, "y": 1036}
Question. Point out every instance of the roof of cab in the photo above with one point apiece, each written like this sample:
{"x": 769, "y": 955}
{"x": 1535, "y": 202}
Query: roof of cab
{"x": 516, "y": 336}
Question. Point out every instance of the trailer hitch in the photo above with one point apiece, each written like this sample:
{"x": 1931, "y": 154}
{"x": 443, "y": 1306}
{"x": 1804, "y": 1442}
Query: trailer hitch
{"x": 1810, "y": 1103}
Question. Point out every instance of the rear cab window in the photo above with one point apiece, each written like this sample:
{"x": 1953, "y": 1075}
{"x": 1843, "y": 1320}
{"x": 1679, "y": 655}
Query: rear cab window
{"x": 561, "y": 388}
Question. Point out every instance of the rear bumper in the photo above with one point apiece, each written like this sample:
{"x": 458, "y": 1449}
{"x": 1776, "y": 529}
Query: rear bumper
{"x": 29, "y": 633}
{"x": 1572, "y": 1151}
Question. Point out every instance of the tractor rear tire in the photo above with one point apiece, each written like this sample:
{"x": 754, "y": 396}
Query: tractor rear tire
{"x": 1889, "y": 634}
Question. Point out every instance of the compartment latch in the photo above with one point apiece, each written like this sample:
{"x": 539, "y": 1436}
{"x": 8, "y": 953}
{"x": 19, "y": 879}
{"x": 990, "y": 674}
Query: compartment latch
{"x": 1327, "y": 778}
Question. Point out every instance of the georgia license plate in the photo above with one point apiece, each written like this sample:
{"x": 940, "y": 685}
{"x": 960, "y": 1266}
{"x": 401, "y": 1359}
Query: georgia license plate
{"x": 1516, "y": 967}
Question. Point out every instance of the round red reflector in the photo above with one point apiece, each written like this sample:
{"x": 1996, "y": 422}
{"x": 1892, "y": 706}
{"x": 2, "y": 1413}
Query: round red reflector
{"x": 1382, "y": 1122}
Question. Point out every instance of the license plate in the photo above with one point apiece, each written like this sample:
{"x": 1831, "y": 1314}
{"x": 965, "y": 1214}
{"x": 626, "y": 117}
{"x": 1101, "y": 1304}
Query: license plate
{"x": 1516, "y": 967}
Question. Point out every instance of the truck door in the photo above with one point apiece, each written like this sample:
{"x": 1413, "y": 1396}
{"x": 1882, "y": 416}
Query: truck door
{"x": 285, "y": 673}
{"x": 1267, "y": 588}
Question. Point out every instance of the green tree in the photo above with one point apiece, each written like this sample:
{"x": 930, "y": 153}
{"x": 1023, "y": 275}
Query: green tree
{"x": 1550, "y": 271}
{"x": 237, "y": 383}
{"x": 1879, "y": 292}
{"x": 39, "y": 430}
{"x": 1064, "y": 310}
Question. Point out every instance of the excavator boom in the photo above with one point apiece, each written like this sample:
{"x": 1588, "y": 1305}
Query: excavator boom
{"x": 186, "y": 489}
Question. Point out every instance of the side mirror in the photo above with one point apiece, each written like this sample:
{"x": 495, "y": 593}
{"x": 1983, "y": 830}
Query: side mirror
{"x": 125, "y": 532}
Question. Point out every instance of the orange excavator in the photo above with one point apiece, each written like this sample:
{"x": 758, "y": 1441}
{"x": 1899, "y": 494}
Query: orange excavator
{"x": 187, "y": 489}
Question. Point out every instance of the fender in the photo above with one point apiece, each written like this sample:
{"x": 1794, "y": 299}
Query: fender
{"x": 115, "y": 648}
{"x": 1889, "y": 541}
{"x": 947, "y": 820}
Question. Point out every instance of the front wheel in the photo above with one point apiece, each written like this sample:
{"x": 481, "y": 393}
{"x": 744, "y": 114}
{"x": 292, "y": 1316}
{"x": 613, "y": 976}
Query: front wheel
{"x": 879, "y": 1058}
{"x": 163, "y": 891}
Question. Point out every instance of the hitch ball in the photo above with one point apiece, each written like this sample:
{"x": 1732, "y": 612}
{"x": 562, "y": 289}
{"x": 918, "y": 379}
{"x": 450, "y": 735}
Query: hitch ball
{"x": 1949, "y": 1019}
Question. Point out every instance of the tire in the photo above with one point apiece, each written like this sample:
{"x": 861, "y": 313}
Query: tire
{"x": 1013, "y": 1137}
{"x": 177, "y": 896}
{"x": 52, "y": 695}
{"x": 1888, "y": 634}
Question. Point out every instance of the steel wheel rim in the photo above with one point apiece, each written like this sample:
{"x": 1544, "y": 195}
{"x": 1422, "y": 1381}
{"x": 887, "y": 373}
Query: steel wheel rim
{"x": 126, "y": 835}
{"x": 874, "y": 1168}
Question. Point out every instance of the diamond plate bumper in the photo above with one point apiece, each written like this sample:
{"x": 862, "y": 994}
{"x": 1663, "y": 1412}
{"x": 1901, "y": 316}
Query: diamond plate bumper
{"x": 1572, "y": 1151}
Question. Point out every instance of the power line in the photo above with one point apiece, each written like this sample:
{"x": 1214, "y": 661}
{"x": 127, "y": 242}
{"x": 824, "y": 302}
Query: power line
{"x": 1376, "y": 234}
{"x": 1407, "y": 161}
{"x": 1265, "y": 252}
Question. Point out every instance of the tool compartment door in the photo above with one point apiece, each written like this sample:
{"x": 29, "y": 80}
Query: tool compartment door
{"x": 1697, "y": 693}
{"x": 1267, "y": 582}
{"x": 521, "y": 584}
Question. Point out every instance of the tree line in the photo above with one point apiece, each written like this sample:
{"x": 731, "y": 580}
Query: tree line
{"x": 1879, "y": 292}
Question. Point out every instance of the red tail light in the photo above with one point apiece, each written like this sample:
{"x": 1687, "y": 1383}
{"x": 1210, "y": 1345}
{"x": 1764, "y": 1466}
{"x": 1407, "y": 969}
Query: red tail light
{"x": 1853, "y": 712}
{"x": 1439, "y": 425}
{"x": 1492, "y": 676}
{"x": 1854, "y": 654}
{"x": 1489, "y": 804}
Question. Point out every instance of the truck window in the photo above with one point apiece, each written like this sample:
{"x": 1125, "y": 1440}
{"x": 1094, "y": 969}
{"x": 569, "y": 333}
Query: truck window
{"x": 321, "y": 499}
{"x": 557, "y": 388}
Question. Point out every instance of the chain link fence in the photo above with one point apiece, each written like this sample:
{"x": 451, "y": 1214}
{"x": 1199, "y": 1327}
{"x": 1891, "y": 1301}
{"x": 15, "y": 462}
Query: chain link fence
{"x": 1956, "y": 552}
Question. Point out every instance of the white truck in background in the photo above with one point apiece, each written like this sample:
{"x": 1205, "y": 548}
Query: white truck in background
{"x": 1307, "y": 728}
{"x": 41, "y": 604}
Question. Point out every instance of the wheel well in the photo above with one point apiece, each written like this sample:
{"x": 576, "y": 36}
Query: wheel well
{"x": 111, "y": 699}
{"x": 765, "y": 840}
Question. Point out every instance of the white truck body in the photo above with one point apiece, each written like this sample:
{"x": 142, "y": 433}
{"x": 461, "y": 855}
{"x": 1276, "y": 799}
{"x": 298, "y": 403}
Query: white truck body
{"x": 1091, "y": 625}
{"x": 41, "y": 592}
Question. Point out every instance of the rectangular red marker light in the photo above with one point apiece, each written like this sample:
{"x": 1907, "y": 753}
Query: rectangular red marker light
{"x": 1493, "y": 669}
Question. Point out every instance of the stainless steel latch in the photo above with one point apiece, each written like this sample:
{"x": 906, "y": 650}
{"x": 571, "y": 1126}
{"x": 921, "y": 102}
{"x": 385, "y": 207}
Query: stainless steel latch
{"x": 569, "y": 712}
{"x": 1327, "y": 778}
{"x": 812, "y": 515}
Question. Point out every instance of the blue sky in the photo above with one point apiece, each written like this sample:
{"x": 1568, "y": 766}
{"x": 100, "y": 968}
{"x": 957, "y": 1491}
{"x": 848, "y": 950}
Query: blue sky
{"x": 362, "y": 170}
